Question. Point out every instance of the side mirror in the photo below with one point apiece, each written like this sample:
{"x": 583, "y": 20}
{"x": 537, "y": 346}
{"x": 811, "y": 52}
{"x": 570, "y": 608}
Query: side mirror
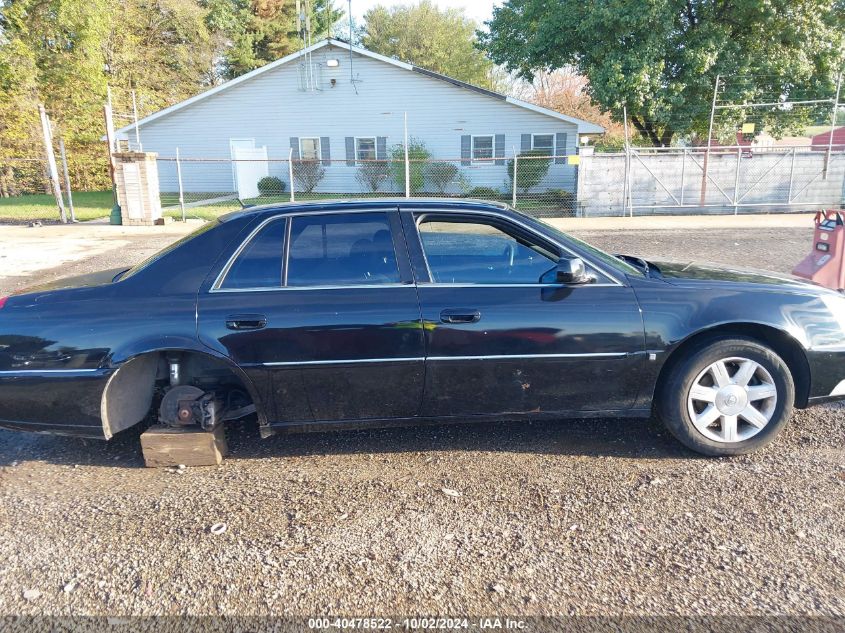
{"x": 571, "y": 270}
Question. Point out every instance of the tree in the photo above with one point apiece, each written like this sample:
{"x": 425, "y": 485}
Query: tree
{"x": 567, "y": 92}
{"x": 421, "y": 34}
{"x": 660, "y": 59}
{"x": 257, "y": 32}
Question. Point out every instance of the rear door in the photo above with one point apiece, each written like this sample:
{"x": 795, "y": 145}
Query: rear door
{"x": 324, "y": 306}
{"x": 503, "y": 337}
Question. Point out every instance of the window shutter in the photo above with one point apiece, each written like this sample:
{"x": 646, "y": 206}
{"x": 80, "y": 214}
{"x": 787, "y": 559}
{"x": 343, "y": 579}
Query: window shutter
{"x": 350, "y": 151}
{"x": 560, "y": 148}
{"x": 499, "y": 151}
{"x": 381, "y": 147}
{"x": 294, "y": 145}
{"x": 326, "y": 150}
{"x": 525, "y": 145}
{"x": 466, "y": 150}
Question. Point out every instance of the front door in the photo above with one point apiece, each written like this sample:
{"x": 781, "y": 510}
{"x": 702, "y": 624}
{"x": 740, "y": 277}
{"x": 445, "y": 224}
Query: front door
{"x": 324, "y": 305}
{"x": 502, "y": 337}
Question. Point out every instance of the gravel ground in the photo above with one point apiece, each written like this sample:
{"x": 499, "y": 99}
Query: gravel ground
{"x": 593, "y": 517}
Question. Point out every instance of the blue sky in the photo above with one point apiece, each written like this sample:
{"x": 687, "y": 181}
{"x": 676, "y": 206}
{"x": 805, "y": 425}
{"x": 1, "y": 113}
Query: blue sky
{"x": 478, "y": 10}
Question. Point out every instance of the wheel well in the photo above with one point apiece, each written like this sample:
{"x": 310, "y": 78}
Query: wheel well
{"x": 129, "y": 393}
{"x": 784, "y": 346}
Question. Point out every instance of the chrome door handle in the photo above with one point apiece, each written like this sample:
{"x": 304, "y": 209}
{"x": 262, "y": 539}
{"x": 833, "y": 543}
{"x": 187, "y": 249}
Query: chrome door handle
{"x": 460, "y": 315}
{"x": 246, "y": 321}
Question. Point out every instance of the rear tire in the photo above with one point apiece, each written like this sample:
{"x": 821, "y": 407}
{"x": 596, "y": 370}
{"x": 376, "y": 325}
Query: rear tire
{"x": 726, "y": 396}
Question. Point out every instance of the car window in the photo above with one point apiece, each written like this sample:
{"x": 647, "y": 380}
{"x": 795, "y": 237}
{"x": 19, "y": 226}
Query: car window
{"x": 259, "y": 264}
{"x": 481, "y": 253}
{"x": 341, "y": 250}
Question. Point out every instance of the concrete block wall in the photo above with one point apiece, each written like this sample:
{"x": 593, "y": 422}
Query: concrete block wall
{"x": 136, "y": 179}
{"x": 664, "y": 183}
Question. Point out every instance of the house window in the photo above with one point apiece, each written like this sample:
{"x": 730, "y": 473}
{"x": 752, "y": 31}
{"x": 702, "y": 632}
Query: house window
{"x": 309, "y": 148}
{"x": 365, "y": 148}
{"x": 482, "y": 148}
{"x": 543, "y": 143}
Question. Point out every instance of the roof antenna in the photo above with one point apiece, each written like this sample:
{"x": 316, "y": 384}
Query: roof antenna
{"x": 351, "y": 74}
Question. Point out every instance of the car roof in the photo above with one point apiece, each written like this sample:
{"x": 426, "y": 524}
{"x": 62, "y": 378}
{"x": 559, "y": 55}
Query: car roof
{"x": 441, "y": 204}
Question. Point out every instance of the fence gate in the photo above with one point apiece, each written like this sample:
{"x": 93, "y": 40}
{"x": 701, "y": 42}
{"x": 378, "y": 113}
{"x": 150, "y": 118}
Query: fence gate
{"x": 250, "y": 166}
{"x": 734, "y": 179}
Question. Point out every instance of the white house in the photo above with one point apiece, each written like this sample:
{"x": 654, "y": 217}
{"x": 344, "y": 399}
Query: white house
{"x": 343, "y": 105}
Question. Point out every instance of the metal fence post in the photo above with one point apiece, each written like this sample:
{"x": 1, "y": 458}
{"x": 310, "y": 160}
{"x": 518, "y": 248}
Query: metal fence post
{"x": 704, "y": 169}
{"x": 179, "y": 180}
{"x": 135, "y": 119}
{"x": 791, "y": 177}
{"x": 683, "y": 173}
{"x": 290, "y": 174}
{"x": 515, "y": 164}
{"x": 736, "y": 180}
{"x": 67, "y": 179}
{"x": 625, "y": 182}
{"x": 51, "y": 161}
{"x": 832, "y": 125}
{"x": 407, "y": 162}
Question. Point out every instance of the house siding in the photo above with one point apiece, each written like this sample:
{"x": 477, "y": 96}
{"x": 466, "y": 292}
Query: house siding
{"x": 271, "y": 109}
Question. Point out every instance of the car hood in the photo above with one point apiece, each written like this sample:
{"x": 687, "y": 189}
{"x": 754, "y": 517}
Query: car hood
{"x": 98, "y": 278}
{"x": 708, "y": 274}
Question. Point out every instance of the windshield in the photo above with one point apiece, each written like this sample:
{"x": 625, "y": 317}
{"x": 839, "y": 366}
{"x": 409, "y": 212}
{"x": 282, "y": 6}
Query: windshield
{"x": 169, "y": 249}
{"x": 598, "y": 255}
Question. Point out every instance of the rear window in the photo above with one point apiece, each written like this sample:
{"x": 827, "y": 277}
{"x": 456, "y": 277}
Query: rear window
{"x": 169, "y": 249}
{"x": 259, "y": 264}
{"x": 341, "y": 250}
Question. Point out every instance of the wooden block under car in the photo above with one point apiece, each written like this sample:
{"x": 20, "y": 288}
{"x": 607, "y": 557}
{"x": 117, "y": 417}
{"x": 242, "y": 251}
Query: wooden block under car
{"x": 164, "y": 446}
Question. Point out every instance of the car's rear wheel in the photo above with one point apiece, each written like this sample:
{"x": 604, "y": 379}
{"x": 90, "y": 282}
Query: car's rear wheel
{"x": 727, "y": 397}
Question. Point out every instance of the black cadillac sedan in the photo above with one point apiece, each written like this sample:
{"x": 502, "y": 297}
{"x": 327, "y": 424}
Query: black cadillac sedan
{"x": 374, "y": 313}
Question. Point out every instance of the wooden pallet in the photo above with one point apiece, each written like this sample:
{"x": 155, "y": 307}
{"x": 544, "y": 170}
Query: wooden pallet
{"x": 164, "y": 446}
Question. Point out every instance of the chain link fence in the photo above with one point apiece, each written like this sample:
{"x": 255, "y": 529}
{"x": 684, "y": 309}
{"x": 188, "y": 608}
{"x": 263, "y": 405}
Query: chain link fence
{"x": 543, "y": 185}
{"x": 23, "y": 176}
{"x": 642, "y": 181}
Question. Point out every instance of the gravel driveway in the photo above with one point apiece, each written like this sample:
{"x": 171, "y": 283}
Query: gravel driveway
{"x": 591, "y": 517}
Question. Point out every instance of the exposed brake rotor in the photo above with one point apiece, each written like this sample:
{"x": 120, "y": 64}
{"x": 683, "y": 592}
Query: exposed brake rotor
{"x": 175, "y": 409}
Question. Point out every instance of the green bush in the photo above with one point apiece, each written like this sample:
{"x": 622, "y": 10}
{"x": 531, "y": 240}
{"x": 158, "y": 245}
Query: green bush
{"x": 560, "y": 200}
{"x": 531, "y": 170}
{"x": 270, "y": 185}
{"x": 485, "y": 193}
{"x": 441, "y": 175}
{"x": 418, "y": 154}
{"x": 371, "y": 175}
{"x": 308, "y": 174}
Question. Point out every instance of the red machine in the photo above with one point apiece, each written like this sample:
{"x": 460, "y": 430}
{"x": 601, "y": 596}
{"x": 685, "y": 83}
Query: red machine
{"x": 826, "y": 264}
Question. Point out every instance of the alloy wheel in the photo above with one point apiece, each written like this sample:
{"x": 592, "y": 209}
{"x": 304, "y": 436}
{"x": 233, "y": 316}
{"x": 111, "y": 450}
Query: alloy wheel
{"x": 732, "y": 400}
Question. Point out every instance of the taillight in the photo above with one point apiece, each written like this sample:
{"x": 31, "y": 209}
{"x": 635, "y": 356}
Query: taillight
{"x": 3, "y": 301}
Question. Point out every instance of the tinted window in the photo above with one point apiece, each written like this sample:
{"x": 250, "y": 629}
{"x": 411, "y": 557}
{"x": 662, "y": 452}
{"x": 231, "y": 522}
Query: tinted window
{"x": 479, "y": 253}
{"x": 259, "y": 265}
{"x": 343, "y": 249}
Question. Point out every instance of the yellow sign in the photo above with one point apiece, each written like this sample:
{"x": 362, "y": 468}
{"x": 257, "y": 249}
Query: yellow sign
{"x": 573, "y": 160}
{"x": 748, "y": 128}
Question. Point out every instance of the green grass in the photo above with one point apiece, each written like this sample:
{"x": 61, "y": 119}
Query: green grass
{"x": 213, "y": 211}
{"x": 88, "y": 205}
